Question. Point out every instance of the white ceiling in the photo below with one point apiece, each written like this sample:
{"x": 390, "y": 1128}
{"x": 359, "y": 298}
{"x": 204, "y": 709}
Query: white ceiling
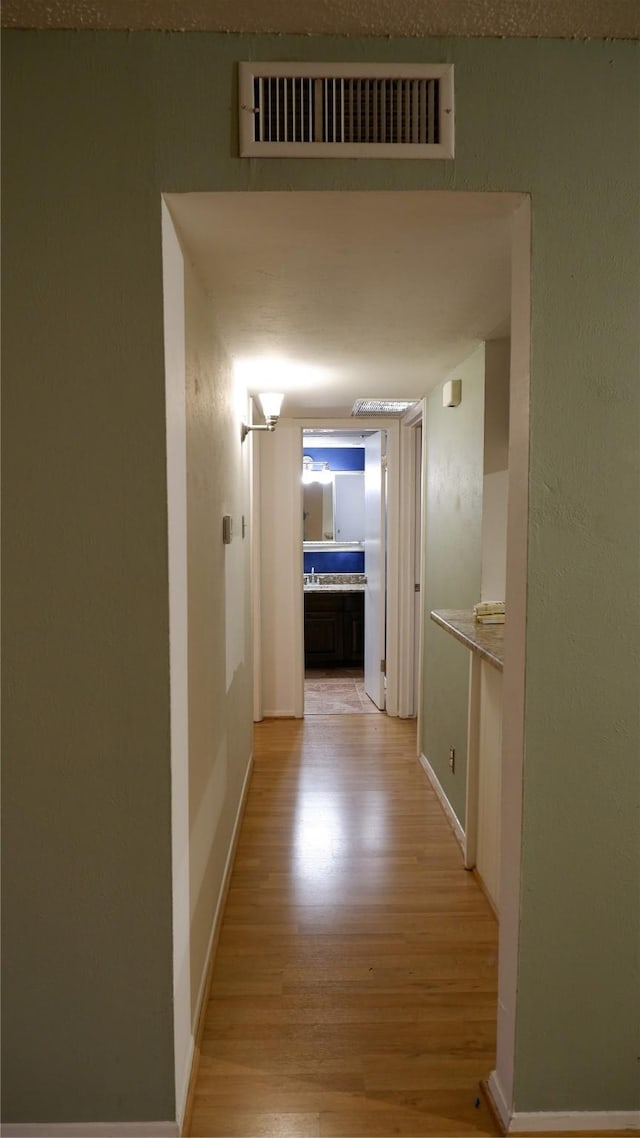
{"x": 595, "y": 19}
{"x": 353, "y": 294}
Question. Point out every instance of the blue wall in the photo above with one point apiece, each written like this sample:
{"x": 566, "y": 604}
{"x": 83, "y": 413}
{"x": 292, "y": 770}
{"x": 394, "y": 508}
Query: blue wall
{"x": 334, "y": 561}
{"x": 339, "y": 458}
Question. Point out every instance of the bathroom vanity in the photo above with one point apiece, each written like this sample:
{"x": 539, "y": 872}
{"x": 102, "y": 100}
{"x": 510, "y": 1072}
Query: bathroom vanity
{"x": 333, "y": 620}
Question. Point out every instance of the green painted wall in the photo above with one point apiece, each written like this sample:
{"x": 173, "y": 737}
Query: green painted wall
{"x": 87, "y": 1017}
{"x": 454, "y": 450}
{"x": 95, "y": 127}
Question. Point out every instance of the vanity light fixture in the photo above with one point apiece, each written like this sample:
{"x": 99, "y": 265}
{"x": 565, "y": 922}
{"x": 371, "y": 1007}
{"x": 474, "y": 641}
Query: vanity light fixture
{"x": 271, "y": 402}
{"x": 313, "y": 471}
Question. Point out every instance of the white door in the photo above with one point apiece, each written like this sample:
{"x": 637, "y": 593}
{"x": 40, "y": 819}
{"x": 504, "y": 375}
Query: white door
{"x": 375, "y": 569}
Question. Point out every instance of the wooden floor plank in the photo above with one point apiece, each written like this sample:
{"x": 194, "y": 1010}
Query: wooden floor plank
{"x": 354, "y": 988}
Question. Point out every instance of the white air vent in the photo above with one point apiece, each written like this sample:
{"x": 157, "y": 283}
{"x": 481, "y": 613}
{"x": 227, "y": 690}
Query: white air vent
{"x": 342, "y": 110}
{"x": 381, "y": 406}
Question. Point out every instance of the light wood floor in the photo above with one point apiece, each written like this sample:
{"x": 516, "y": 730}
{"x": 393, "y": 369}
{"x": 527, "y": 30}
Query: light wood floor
{"x": 354, "y": 987}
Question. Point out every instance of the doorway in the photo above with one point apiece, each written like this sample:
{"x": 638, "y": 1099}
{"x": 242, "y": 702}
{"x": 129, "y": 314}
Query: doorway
{"x": 278, "y": 621}
{"x": 344, "y": 591}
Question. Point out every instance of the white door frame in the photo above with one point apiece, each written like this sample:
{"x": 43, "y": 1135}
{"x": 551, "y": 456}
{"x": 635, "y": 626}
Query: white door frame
{"x": 502, "y": 1079}
{"x": 410, "y": 646}
{"x": 402, "y": 653}
{"x": 392, "y": 427}
{"x": 375, "y": 559}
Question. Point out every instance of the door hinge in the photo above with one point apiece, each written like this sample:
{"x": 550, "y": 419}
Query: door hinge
{"x": 416, "y": 587}
{"x": 383, "y": 667}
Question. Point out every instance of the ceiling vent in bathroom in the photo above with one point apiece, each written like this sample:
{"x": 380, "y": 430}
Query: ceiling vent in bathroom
{"x": 382, "y": 406}
{"x": 343, "y": 110}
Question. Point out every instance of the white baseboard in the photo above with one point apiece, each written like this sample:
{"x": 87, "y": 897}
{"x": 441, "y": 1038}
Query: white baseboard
{"x": 213, "y": 936}
{"x": 181, "y": 1097}
{"x": 450, "y": 814}
{"x": 90, "y": 1130}
{"x": 222, "y": 894}
{"x": 498, "y": 1101}
{"x": 575, "y": 1121}
{"x": 571, "y": 1121}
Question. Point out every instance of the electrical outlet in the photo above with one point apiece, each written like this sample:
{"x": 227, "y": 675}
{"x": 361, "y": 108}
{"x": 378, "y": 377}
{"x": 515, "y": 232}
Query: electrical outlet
{"x": 452, "y": 759}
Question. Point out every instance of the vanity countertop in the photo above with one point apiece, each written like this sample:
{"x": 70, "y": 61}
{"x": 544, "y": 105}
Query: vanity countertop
{"x": 334, "y": 583}
{"x": 487, "y": 640}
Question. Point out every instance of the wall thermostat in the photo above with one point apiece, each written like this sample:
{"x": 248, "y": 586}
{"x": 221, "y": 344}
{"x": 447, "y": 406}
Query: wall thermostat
{"x": 452, "y": 393}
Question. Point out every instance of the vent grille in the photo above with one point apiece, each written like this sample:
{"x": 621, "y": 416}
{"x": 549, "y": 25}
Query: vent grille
{"x": 346, "y": 111}
{"x": 382, "y": 406}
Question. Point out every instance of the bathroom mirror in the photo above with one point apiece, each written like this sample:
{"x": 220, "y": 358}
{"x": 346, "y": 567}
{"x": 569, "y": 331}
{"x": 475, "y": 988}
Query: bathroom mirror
{"x": 333, "y": 511}
{"x": 317, "y": 511}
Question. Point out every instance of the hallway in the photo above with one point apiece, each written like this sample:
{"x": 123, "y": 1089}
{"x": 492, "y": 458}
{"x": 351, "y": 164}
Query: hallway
{"x": 354, "y": 990}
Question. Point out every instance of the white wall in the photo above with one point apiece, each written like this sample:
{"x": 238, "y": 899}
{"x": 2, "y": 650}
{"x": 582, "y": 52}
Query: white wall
{"x": 515, "y": 634}
{"x": 489, "y": 780}
{"x": 495, "y": 491}
{"x": 453, "y": 477}
{"x": 219, "y": 639}
{"x": 496, "y": 475}
{"x": 174, "y": 347}
{"x": 210, "y": 632}
{"x": 281, "y": 598}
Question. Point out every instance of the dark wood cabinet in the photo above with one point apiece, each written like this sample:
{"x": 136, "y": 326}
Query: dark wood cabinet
{"x": 333, "y": 629}
{"x": 353, "y": 628}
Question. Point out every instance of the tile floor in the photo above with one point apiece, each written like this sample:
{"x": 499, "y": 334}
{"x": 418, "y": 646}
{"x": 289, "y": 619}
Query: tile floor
{"x": 337, "y": 691}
